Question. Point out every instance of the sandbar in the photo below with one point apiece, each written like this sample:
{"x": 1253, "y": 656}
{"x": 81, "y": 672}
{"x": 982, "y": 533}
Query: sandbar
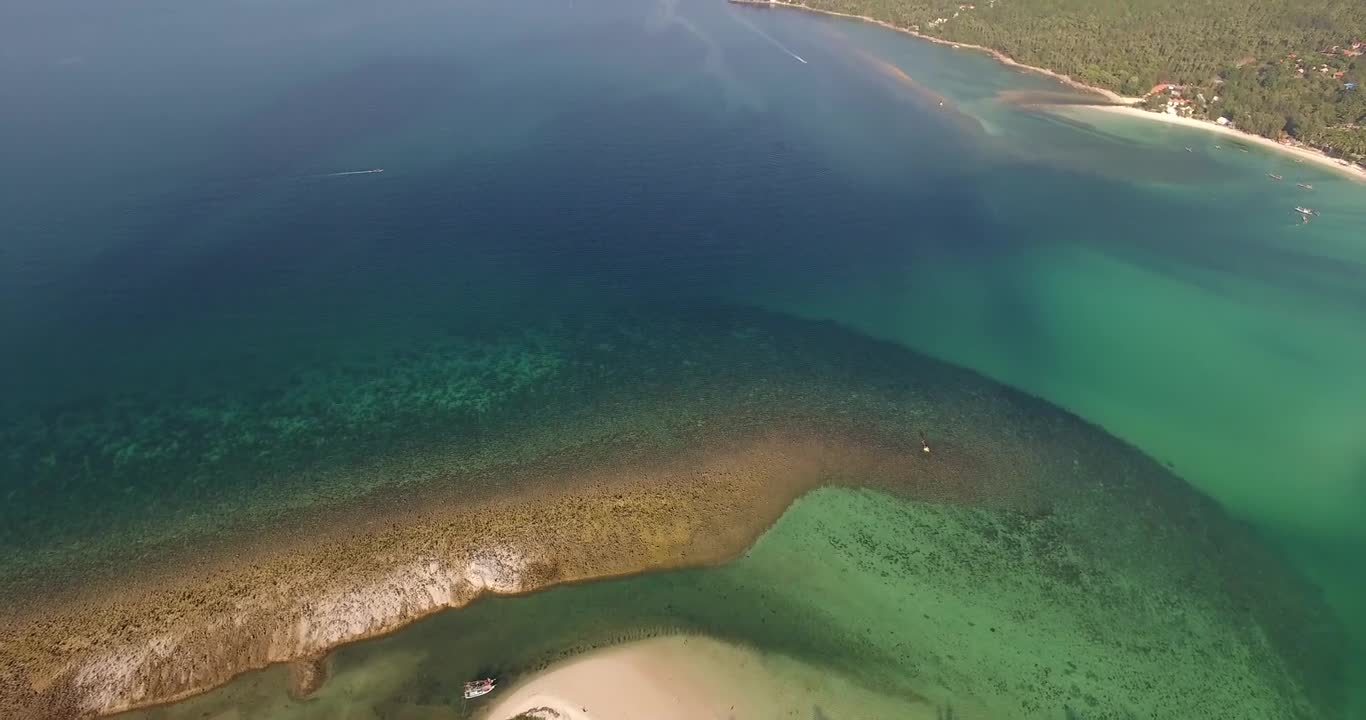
{"x": 686, "y": 677}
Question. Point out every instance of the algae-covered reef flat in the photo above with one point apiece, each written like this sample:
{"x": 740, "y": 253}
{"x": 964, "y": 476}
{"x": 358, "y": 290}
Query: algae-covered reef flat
{"x": 856, "y": 602}
{"x": 608, "y": 445}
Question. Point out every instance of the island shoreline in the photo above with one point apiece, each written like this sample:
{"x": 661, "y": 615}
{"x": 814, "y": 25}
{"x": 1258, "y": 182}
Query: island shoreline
{"x": 996, "y": 55}
{"x": 1118, "y": 103}
{"x": 1300, "y": 152}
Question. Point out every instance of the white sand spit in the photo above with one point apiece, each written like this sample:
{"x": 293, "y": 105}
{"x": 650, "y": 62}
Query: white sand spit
{"x": 692, "y": 678}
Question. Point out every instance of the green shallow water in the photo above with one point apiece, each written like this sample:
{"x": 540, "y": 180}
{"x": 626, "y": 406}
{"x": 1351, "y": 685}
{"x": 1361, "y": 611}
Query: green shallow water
{"x": 1229, "y": 353}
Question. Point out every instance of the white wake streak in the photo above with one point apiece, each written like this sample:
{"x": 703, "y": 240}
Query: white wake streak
{"x": 350, "y": 172}
{"x": 766, "y": 36}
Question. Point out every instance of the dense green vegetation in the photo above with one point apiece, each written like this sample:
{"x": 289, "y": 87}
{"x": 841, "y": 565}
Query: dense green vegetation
{"x": 1272, "y": 98}
{"x": 1236, "y": 50}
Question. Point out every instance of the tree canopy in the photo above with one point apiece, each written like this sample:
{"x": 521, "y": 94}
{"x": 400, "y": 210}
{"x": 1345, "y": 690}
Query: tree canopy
{"x": 1237, "y": 50}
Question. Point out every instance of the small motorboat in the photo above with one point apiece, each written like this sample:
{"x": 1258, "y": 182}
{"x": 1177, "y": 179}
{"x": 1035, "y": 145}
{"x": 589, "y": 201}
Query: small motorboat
{"x": 479, "y": 688}
{"x": 1189, "y": 150}
{"x": 1274, "y": 176}
{"x": 1306, "y": 186}
{"x": 1307, "y": 212}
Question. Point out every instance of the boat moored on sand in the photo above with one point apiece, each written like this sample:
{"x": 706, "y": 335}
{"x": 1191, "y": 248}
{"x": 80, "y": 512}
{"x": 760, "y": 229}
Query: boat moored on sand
{"x": 479, "y": 688}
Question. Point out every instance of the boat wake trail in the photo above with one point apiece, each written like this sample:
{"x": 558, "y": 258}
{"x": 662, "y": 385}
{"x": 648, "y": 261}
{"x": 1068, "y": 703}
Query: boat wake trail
{"x": 349, "y": 172}
{"x": 759, "y": 31}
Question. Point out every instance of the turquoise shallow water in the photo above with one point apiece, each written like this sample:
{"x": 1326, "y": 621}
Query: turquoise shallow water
{"x": 194, "y": 316}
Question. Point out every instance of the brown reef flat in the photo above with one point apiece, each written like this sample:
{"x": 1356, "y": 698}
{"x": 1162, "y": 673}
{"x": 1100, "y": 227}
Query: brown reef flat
{"x": 124, "y": 647}
{"x": 683, "y": 464}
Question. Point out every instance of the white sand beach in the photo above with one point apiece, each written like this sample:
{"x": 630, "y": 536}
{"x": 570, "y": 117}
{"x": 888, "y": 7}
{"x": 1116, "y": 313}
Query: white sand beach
{"x": 688, "y": 678}
{"x": 1303, "y": 153}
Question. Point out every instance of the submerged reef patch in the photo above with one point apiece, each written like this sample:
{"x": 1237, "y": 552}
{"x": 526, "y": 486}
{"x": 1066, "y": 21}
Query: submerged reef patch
{"x": 661, "y": 438}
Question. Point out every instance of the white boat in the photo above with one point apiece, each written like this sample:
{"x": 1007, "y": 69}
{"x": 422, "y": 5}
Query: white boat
{"x": 1274, "y": 176}
{"x": 1306, "y": 211}
{"x": 479, "y": 688}
{"x": 1306, "y": 186}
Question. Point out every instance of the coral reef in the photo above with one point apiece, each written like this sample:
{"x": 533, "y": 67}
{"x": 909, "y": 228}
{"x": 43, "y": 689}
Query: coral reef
{"x": 665, "y": 438}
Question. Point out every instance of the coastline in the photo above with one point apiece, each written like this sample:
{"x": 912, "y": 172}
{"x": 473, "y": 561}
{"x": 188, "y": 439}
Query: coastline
{"x": 996, "y": 55}
{"x": 1118, "y": 103}
{"x": 1307, "y": 154}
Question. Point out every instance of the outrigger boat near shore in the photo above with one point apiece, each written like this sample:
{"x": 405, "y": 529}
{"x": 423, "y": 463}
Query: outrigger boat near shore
{"x": 479, "y": 688}
{"x": 1306, "y": 186}
{"x": 1274, "y": 176}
